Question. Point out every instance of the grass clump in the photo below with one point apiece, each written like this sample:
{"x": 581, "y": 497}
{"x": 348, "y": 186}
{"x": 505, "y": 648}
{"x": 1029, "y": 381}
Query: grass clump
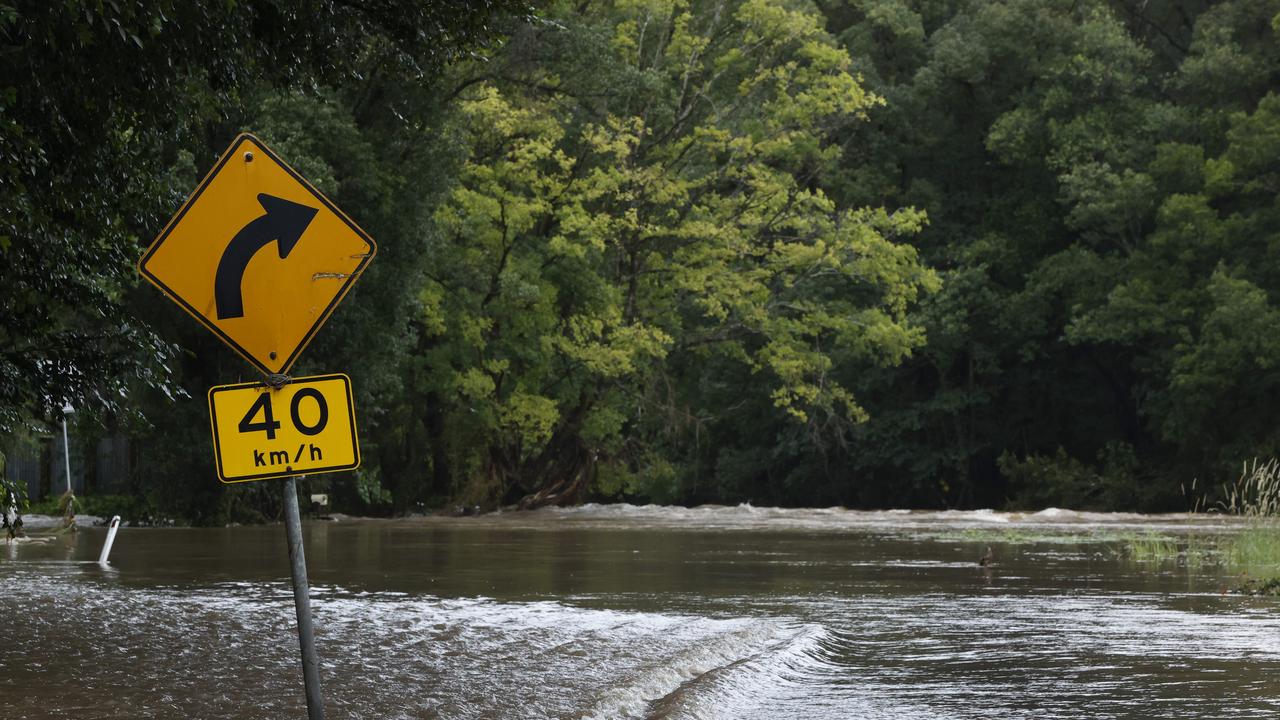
{"x": 1269, "y": 587}
{"x": 1150, "y": 547}
{"x": 1256, "y": 549}
{"x": 1190, "y": 551}
{"x": 1256, "y": 495}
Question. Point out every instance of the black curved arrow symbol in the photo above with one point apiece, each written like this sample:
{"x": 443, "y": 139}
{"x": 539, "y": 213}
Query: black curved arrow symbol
{"x": 284, "y": 222}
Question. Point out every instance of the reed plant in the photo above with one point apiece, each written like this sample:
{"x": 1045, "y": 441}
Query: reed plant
{"x": 1255, "y": 551}
{"x": 1150, "y": 547}
{"x": 1257, "y": 492}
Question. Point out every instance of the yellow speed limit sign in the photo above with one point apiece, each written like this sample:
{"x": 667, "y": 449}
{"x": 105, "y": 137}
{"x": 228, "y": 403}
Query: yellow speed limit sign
{"x": 305, "y": 427}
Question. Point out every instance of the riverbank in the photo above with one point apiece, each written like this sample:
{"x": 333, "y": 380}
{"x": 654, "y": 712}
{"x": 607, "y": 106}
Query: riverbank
{"x": 43, "y": 522}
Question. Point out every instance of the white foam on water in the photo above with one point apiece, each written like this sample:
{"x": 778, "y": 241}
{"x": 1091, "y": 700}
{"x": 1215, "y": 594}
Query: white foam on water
{"x": 1054, "y": 513}
{"x": 555, "y": 659}
{"x": 833, "y": 519}
{"x": 978, "y": 516}
{"x": 389, "y": 655}
{"x": 696, "y": 678}
{"x": 773, "y": 674}
{"x": 230, "y": 651}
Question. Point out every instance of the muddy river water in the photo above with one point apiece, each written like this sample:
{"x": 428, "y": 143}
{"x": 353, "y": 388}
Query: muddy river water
{"x": 734, "y": 613}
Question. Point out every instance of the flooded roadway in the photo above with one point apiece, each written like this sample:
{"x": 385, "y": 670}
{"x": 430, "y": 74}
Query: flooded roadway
{"x": 624, "y": 612}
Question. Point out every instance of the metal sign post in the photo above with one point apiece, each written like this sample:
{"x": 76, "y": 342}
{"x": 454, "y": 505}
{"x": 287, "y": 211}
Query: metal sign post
{"x": 302, "y": 602}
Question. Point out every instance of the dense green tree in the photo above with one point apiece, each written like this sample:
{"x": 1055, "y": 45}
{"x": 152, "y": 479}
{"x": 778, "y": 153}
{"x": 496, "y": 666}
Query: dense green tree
{"x": 624, "y": 234}
{"x": 1104, "y": 267}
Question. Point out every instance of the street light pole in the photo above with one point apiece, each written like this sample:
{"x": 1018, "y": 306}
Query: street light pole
{"x": 66, "y": 446}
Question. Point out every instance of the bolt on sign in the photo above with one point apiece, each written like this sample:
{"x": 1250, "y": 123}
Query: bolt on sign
{"x": 305, "y": 427}
{"x": 258, "y": 255}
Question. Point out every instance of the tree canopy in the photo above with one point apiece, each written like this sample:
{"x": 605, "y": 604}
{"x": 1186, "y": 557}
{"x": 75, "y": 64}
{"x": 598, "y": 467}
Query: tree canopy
{"x": 890, "y": 252}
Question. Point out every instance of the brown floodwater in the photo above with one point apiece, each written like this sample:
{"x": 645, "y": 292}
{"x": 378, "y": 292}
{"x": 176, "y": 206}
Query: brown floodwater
{"x": 734, "y": 613}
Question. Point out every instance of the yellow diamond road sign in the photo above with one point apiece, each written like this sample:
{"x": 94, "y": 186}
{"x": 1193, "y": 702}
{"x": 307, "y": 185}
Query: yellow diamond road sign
{"x": 305, "y": 427}
{"x": 258, "y": 255}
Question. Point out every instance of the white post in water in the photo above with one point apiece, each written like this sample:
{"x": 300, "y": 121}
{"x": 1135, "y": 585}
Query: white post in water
{"x": 111, "y": 538}
{"x": 66, "y": 446}
{"x": 302, "y": 602}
